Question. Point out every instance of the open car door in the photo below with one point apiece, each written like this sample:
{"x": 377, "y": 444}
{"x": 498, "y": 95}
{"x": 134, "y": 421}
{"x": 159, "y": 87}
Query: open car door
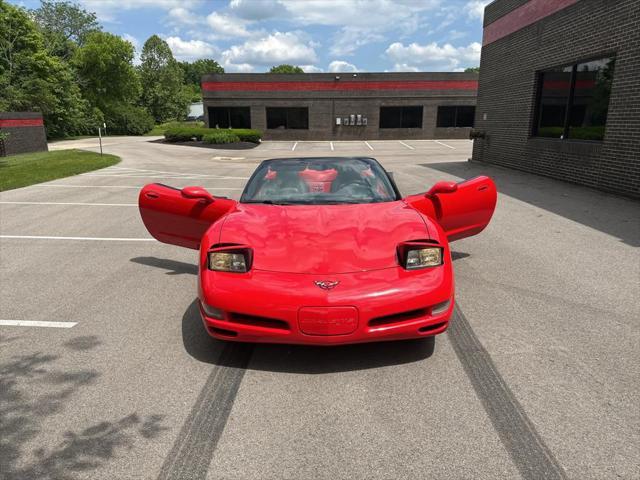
{"x": 462, "y": 209}
{"x": 180, "y": 217}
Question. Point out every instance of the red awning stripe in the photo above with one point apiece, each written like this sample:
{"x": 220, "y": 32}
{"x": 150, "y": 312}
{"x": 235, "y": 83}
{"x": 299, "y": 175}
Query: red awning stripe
{"x": 470, "y": 85}
{"x": 521, "y": 17}
{"x": 21, "y": 122}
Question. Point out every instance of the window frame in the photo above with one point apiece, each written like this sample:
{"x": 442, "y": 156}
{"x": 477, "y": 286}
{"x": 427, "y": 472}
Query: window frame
{"x": 401, "y": 107}
{"x": 539, "y": 78}
{"x": 455, "y": 116}
{"x": 286, "y": 109}
{"x": 210, "y": 108}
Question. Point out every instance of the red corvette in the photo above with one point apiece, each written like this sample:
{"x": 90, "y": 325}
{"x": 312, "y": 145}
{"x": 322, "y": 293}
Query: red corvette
{"x": 322, "y": 251}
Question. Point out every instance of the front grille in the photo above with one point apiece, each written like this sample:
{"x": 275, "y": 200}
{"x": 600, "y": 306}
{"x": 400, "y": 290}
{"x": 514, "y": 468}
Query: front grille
{"x": 256, "y": 321}
{"x": 398, "y": 317}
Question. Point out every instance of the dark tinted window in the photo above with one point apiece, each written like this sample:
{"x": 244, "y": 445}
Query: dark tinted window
{"x": 288, "y": 117}
{"x": 401, "y": 117}
{"x": 573, "y": 101}
{"x": 456, "y": 116}
{"x": 230, "y": 117}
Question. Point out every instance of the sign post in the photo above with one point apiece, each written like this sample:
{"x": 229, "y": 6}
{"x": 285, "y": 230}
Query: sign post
{"x": 100, "y": 139}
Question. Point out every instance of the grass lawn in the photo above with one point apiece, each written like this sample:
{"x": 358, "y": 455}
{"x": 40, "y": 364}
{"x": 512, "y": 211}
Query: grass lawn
{"x": 26, "y": 169}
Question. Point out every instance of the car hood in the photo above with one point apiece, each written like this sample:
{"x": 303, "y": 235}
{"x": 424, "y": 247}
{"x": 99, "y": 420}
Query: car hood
{"x": 323, "y": 239}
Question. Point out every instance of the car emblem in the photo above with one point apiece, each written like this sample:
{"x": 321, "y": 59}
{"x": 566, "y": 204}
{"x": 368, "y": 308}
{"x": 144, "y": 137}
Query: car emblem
{"x": 326, "y": 284}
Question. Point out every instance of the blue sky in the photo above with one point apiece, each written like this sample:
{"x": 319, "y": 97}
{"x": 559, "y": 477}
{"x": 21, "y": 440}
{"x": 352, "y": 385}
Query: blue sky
{"x": 319, "y": 35}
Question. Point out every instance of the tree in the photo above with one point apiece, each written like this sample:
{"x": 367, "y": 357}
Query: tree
{"x": 472, "y": 69}
{"x": 163, "y": 92}
{"x": 286, "y": 68}
{"x": 105, "y": 70}
{"x": 194, "y": 71}
{"x": 65, "y": 25}
{"x": 32, "y": 79}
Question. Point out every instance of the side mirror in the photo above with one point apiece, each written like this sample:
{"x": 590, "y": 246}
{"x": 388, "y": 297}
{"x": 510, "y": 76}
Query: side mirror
{"x": 197, "y": 192}
{"x": 442, "y": 187}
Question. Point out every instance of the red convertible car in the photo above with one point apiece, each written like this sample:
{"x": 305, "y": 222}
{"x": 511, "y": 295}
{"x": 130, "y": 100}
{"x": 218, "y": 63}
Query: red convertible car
{"x": 322, "y": 251}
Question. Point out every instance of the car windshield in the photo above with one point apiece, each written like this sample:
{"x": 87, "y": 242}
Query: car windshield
{"x": 319, "y": 181}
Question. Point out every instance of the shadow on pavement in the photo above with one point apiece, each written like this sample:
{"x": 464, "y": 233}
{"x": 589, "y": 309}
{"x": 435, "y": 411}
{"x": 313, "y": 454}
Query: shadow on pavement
{"x": 173, "y": 267}
{"x": 304, "y": 359}
{"x": 608, "y": 213}
{"x": 32, "y": 389}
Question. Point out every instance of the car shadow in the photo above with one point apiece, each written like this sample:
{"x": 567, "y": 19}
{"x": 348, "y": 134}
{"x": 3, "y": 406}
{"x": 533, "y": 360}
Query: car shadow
{"x": 173, "y": 267}
{"x": 608, "y": 213}
{"x": 302, "y": 358}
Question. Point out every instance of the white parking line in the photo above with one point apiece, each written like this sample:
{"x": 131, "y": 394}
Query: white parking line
{"x": 367, "y": 144}
{"x": 444, "y": 144}
{"x": 156, "y": 171}
{"x": 33, "y": 323}
{"x": 331, "y": 145}
{"x": 294, "y": 146}
{"x": 408, "y": 146}
{"x": 97, "y": 239}
{"x": 72, "y": 203}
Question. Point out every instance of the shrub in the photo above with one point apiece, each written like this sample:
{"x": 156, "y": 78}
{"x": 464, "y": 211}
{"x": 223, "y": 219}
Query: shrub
{"x": 128, "y": 120}
{"x": 221, "y": 136}
{"x": 185, "y": 134}
{"x": 248, "y": 135}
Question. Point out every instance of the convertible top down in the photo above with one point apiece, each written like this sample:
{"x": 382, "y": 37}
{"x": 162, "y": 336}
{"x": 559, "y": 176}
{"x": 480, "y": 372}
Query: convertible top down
{"x": 322, "y": 251}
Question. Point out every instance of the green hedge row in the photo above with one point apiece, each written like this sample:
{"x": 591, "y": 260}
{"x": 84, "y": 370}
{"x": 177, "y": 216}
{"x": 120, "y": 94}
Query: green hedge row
{"x": 212, "y": 135}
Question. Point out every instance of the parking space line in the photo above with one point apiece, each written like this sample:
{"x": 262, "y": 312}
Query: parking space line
{"x": 73, "y": 203}
{"x": 33, "y": 323}
{"x": 294, "y": 146}
{"x": 331, "y": 145}
{"x": 96, "y": 239}
{"x": 444, "y": 144}
{"x": 367, "y": 144}
{"x": 408, "y": 146}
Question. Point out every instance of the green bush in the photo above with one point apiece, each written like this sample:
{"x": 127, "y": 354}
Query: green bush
{"x": 248, "y": 135}
{"x": 128, "y": 120}
{"x": 185, "y": 134}
{"x": 220, "y": 136}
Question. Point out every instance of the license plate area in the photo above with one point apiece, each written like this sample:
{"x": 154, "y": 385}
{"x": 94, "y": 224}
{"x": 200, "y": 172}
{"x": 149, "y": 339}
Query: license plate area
{"x": 328, "y": 320}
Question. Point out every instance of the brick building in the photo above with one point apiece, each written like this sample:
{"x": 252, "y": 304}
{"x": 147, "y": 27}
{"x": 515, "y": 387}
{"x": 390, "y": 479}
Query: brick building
{"x": 559, "y": 90}
{"x": 343, "y": 106}
{"x": 26, "y": 132}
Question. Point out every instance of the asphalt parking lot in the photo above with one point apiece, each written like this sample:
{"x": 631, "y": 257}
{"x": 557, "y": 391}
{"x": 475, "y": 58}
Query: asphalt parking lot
{"x": 537, "y": 377}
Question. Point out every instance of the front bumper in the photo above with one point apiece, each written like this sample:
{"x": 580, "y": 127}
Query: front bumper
{"x": 276, "y": 307}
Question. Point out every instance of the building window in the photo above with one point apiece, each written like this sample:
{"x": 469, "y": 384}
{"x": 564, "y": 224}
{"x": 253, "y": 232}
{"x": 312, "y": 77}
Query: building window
{"x": 229, "y": 117}
{"x": 456, "y": 116}
{"x": 296, "y": 118}
{"x": 401, "y": 117}
{"x": 572, "y": 101}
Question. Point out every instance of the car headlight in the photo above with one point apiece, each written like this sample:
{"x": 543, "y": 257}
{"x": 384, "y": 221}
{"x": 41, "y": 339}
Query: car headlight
{"x": 230, "y": 258}
{"x": 418, "y": 254}
{"x": 425, "y": 257}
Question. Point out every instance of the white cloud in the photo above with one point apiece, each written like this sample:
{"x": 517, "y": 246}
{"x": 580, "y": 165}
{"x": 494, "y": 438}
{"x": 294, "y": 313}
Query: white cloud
{"x": 226, "y": 26}
{"x": 190, "y": 49}
{"x": 279, "y": 47}
{"x": 256, "y": 9}
{"x": 342, "y": 66}
{"x": 311, "y": 69}
{"x": 106, "y": 10}
{"x": 182, "y": 16}
{"x": 348, "y": 39}
{"x": 475, "y": 8}
{"x": 433, "y": 57}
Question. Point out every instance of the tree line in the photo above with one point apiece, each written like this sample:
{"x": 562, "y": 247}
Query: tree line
{"x": 57, "y": 60}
